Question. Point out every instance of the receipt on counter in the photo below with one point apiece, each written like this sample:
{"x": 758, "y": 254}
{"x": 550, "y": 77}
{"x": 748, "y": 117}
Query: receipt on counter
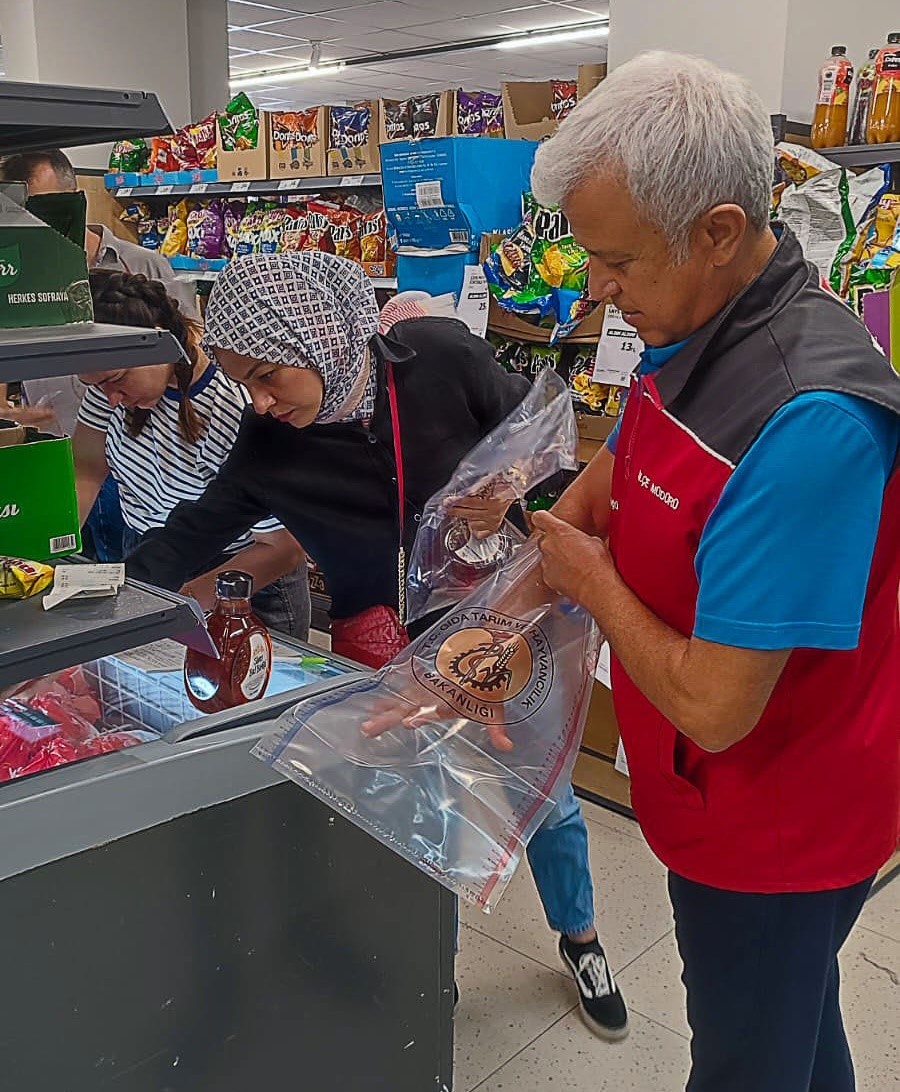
{"x": 84, "y": 582}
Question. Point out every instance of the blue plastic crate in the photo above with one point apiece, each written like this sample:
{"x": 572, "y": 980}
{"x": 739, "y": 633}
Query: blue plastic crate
{"x": 116, "y": 179}
{"x": 449, "y": 191}
{"x": 202, "y": 265}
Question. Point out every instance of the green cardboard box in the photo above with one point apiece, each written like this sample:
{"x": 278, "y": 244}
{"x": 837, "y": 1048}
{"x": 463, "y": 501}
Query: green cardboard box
{"x": 43, "y": 276}
{"x": 38, "y": 504}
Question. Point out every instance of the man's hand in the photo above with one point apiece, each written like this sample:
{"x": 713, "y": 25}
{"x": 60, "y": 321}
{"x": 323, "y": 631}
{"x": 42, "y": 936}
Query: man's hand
{"x": 484, "y": 515}
{"x": 406, "y": 710}
{"x": 573, "y": 562}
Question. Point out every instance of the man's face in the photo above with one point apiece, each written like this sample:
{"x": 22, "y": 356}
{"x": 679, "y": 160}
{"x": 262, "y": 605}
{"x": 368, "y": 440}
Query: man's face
{"x": 631, "y": 265}
{"x": 45, "y": 180}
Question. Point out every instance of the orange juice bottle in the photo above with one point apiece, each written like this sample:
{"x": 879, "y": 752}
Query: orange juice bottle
{"x": 829, "y": 127}
{"x": 884, "y": 110}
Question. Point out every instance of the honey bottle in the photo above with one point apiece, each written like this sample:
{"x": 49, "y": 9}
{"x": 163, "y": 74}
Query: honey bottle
{"x": 884, "y": 110}
{"x": 829, "y": 127}
{"x": 242, "y": 673}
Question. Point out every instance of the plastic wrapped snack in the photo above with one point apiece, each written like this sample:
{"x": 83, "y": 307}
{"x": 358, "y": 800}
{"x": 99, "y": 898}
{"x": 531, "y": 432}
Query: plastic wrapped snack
{"x": 239, "y": 124}
{"x": 469, "y": 113}
{"x": 397, "y": 119}
{"x": 206, "y": 231}
{"x": 535, "y": 441}
{"x": 344, "y": 228}
{"x": 373, "y": 237}
{"x": 176, "y": 238}
{"x": 129, "y": 155}
{"x": 564, "y": 98}
{"x": 21, "y": 579}
{"x": 295, "y": 228}
{"x": 496, "y": 694}
{"x": 492, "y": 114}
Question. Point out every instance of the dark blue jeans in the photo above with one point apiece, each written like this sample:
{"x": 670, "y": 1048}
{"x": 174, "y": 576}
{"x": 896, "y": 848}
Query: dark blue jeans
{"x": 105, "y": 525}
{"x": 762, "y": 981}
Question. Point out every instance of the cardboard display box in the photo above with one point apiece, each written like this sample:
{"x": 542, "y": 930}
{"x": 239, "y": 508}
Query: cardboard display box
{"x": 528, "y": 110}
{"x": 248, "y": 164}
{"x": 38, "y": 504}
{"x": 297, "y": 143}
{"x": 353, "y": 133}
{"x": 414, "y": 125}
{"x": 589, "y": 75}
{"x": 503, "y": 322}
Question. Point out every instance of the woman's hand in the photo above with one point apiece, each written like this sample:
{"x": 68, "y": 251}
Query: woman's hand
{"x": 203, "y": 589}
{"x": 484, "y": 515}
{"x": 27, "y": 415}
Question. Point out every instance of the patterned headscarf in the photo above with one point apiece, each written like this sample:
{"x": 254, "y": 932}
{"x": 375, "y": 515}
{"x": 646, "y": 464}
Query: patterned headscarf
{"x": 303, "y": 310}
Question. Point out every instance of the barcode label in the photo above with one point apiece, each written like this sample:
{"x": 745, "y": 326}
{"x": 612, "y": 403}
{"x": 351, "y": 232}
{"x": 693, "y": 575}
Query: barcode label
{"x": 199, "y": 187}
{"x": 123, "y": 191}
{"x": 429, "y": 196}
{"x": 458, "y": 236}
{"x": 241, "y": 187}
{"x": 63, "y": 542}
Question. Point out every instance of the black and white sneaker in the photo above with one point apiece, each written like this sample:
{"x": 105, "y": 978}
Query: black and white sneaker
{"x": 602, "y": 1005}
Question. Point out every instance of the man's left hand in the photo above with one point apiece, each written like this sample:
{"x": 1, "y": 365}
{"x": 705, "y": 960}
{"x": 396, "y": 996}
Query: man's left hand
{"x": 572, "y": 560}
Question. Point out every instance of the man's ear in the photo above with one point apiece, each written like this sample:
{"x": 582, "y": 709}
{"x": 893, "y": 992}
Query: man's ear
{"x": 721, "y": 232}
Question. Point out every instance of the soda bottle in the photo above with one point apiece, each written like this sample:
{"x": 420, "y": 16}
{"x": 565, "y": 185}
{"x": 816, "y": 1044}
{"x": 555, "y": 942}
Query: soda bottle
{"x": 865, "y": 81}
{"x": 244, "y": 645}
{"x": 829, "y": 127}
{"x": 884, "y": 111}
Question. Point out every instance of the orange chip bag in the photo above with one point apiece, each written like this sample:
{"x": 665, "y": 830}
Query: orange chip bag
{"x": 373, "y": 237}
{"x": 345, "y": 233}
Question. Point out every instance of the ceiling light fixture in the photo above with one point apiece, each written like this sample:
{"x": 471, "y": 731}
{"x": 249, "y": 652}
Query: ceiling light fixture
{"x": 537, "y": 37}
{"x": 278, "y": 76}
{"x": 594, "y": 29}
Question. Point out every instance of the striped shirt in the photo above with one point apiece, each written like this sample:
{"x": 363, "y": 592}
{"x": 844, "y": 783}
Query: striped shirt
{"x": 158, "y": 468}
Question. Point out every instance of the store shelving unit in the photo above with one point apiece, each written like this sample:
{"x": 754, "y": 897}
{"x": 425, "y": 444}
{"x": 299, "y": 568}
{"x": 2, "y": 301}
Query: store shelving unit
{"x": 267, "y": 187}
{"x": 44, "y": 351}
{"x": 34, "y": 641}
{"x": 48, "y": 116}
{"x": 868, "y": 155}
{"x": 211, "y": 274}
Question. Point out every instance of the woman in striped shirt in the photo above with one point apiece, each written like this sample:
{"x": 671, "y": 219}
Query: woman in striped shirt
{"x": 163, "y": 431}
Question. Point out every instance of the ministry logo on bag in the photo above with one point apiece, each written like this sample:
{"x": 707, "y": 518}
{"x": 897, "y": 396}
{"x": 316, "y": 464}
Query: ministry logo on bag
{"x": 486, "y": 666}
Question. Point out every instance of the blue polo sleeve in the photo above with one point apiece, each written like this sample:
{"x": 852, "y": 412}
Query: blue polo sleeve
{"x": 784, "y": 559}
{"x": 613, "y": 437}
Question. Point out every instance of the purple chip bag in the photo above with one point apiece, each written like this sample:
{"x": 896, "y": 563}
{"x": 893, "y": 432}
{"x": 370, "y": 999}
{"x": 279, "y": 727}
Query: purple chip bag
{"x": 232, "y": 214}
{"x": 492, "y": 114}
{"x": 206, "y": 231}
{"x": 469, "y": 115}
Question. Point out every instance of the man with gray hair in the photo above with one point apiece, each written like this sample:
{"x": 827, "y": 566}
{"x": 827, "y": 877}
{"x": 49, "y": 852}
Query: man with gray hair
{"x": 749, "y": 584}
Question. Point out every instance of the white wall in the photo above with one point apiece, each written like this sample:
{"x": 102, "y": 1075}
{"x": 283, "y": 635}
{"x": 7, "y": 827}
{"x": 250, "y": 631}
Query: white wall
{"x": 779, "y": 45}
{"x": 814, "y": 26}
{"x": 136, "y": 45}
{"x": 745, "y": 37}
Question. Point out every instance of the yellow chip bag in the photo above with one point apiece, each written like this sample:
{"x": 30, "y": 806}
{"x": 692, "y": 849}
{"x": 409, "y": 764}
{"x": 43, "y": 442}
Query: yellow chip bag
{"x": 20, "y": 579}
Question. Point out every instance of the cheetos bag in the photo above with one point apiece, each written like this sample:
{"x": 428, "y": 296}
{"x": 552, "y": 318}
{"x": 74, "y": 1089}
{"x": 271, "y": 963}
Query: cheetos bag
{"x": 454, "y": 753}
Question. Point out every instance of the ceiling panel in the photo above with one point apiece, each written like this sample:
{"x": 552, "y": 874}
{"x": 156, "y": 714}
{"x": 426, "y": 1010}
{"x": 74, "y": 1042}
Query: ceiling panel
{"x": 277, "y": 35}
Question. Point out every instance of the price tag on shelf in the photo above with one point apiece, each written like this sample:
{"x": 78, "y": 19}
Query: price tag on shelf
{"x": 473, "y": 300}
{"x": 164, "y": 189}
{"x": 199, "y": 187}
{"x": 240, "y": 187}
{"x": 287, "y": 183}
{"x": 350, "y": 180}
{"x": 123, "y": 191}
{"x": 618, "y": 350}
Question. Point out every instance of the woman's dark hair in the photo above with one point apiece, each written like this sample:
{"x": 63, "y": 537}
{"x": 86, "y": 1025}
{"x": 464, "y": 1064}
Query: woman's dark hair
{"x": 130, "y": 299}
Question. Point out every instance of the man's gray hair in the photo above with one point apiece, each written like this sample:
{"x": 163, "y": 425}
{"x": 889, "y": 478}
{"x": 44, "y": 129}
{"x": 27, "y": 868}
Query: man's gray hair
{"x": 683, "y": 135}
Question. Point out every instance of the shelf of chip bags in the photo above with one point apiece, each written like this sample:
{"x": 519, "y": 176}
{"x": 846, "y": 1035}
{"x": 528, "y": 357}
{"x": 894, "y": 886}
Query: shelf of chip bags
{"x": 270, "y": 187}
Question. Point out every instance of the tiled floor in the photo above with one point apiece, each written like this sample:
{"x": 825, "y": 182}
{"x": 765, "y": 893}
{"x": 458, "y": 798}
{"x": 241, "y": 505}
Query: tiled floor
{"x": 518, "y": 1030}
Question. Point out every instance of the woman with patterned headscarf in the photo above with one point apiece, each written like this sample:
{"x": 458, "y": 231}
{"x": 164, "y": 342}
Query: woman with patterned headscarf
{"x": 300, "y": 333}
{"x": 353, "y": 432}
